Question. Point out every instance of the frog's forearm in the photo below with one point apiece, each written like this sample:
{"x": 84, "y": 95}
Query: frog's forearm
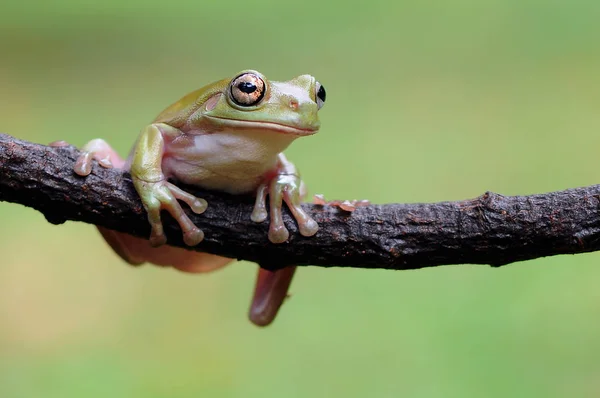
{"x": 155, "y": 192}
{"x": 287, "y": 167}
{"x": 147, "y": 154}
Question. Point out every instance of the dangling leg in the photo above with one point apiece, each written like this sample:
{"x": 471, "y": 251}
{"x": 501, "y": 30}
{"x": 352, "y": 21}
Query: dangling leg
{"x": 137, "y": 251}
{"x": 270, "y": 292}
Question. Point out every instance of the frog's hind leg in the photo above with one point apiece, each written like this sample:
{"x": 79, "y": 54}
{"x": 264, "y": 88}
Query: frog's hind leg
{"x": 137, "y": 251}
{"x": 134, "y": 250}
{"x": 97, "y": 149}
{"x": 270, "y": 292}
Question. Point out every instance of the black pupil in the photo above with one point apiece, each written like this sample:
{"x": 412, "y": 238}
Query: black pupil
{"x": 321, "y": 93}
{"x": 247, "y": 87}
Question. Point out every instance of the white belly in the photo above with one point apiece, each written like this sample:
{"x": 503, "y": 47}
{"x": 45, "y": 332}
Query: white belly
{"x": 230, "y": 162}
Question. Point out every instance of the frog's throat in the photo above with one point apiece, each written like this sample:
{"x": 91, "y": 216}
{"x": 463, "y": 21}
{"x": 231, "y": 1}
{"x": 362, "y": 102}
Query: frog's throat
{"x": 250, "y": 125}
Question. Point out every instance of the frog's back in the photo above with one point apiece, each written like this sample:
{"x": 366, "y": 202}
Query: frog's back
{"x": 178, "y": 113}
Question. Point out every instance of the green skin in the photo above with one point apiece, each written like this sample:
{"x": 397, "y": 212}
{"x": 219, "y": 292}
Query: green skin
{"x": 223, "y": 138}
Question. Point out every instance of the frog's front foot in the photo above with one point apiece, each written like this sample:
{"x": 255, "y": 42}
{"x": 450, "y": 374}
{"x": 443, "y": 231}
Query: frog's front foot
{"x": 288, "y": 188}
{"x": 163, "y": 195}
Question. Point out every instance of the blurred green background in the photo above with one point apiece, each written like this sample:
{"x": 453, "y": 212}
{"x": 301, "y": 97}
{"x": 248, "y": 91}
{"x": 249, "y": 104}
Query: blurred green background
{"x": 426, "y": 101}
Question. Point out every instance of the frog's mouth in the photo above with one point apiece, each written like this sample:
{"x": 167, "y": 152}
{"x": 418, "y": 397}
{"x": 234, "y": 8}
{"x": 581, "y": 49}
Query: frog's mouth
{"x": 270, "y": 126}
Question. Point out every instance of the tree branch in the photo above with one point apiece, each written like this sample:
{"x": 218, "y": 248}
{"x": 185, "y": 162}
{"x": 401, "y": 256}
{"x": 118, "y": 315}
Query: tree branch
{"x": 490, "y": 229}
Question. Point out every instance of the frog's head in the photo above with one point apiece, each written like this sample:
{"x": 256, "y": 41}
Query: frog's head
{"x": 251, "y": 102}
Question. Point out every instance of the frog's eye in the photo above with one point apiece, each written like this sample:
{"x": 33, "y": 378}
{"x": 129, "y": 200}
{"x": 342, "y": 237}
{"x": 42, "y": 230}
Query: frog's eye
{"x": 320, "y": 94}
{"x": 247, "y": 89}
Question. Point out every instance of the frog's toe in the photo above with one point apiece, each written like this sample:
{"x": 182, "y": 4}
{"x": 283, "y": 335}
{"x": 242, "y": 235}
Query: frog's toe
{"x": 157, "y": 234}
{"x": 259, "y": 212}
{"x": 278, "y": 233}
{"x": 319, "y": 199}
{"x": 308, "y": 227}
{"x": 157, "y": 239}
{"x": 105, "y": 162}
{"x": 59, "y": 144}
{"x": 198, "y": 205}
{"x": 193, "y": 236}
{"x": 83, "y": 164}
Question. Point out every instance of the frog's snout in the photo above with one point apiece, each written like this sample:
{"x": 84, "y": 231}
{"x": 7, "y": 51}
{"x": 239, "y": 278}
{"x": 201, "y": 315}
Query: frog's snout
{"x": 301, "y": 106}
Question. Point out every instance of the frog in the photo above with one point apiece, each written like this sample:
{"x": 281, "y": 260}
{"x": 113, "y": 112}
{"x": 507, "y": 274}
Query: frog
{"x": 227, "y": 136}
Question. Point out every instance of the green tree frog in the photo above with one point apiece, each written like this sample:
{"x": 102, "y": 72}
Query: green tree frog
{"x": 227, "y": 136}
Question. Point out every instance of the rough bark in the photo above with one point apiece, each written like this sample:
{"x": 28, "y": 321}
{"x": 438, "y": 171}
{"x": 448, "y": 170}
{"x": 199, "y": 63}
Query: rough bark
{"x": 490, "y": 229}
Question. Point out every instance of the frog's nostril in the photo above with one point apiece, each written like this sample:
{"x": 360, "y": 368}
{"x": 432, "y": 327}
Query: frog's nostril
{"x": 294, "y": 104}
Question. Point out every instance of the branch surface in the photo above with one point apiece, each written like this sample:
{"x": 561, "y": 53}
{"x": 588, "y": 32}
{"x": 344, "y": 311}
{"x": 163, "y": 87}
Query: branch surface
{"x": 490, "y": 229}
